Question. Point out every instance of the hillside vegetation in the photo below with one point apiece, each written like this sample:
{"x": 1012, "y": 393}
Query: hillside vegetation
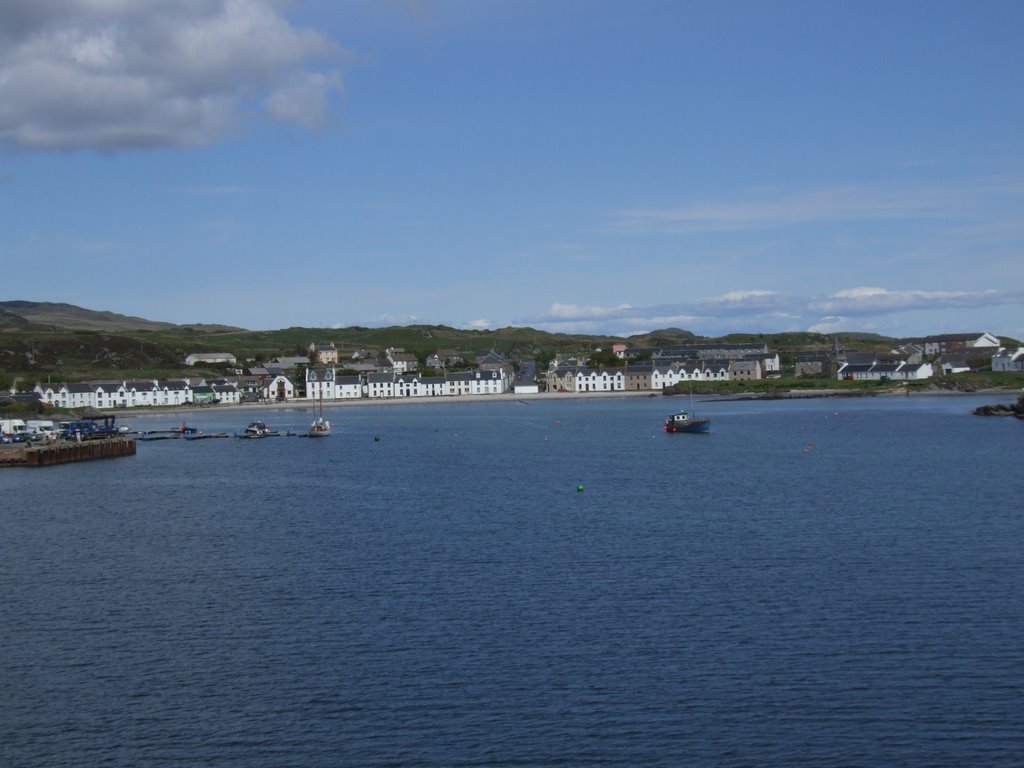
{"x": 62, "y": 342}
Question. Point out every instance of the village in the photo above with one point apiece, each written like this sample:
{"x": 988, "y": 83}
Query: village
{"x": 395, "y": 374}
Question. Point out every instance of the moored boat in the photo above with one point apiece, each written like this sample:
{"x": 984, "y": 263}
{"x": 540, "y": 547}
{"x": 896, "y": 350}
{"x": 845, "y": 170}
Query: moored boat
{"x": 255, "y": 430}
{"x": 683, "y": 422}
{"x": 319, "y": 428}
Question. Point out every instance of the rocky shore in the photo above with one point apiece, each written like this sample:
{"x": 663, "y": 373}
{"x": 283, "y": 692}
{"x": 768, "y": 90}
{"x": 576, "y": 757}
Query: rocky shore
{"x": 1016, "y": 409}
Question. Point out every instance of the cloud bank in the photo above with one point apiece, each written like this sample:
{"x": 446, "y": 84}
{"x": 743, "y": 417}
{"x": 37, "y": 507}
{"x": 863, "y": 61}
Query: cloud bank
{"x": 840, "y": 203}
{"x": 767, "y": 311}
{"x": 124, "y": 74}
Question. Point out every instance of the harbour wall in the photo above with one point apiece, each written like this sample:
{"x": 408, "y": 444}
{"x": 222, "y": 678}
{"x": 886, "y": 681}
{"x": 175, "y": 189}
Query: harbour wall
{"x": 66, "y": 452}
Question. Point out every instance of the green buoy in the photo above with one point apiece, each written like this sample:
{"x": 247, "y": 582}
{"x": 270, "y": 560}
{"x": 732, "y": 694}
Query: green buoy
{"x": 579, "y": 488}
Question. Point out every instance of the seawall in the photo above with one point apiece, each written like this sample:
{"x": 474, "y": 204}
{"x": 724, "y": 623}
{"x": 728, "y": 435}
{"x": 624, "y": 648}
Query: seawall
{"x": 65, "y": 452}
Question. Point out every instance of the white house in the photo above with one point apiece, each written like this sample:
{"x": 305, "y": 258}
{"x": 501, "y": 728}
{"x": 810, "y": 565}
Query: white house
{"x": 666, "y": 376}
{"x": 110, "y": 394}
{"x": 327, "y": 384}
{"x": 959, "y": 342}
{"x": 913, "y": 371}
{"x": 280, "y": 387}
{"x": 380, "y": 385}
{"x": 175, "y": 392}
{"x": 771, "y": 364}
{"x": 955, "y": 364}
{"x": 49, "y": 393}
{"x": 474, "y": 383}
{"x": 885, "y": 371}
{"x": 1009, "y": 361}
{"x": 716, "y": 370}
{"x": 419, "y": 386}
{"x": 600, "y": 380}
{"x": 522, "y": 387}
{"x": 320, "y": 384}
{"x": 348, "y": 387}
{"x": 401, "y": 362}
{"x": 141, "y": 393}
{"x": 208, "y": 358}
{"x": 78, "y": 395}
{"x": 226, "y": 393}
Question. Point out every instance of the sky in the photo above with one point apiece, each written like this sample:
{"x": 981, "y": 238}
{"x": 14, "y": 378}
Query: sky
{"x": 586, "y": 166}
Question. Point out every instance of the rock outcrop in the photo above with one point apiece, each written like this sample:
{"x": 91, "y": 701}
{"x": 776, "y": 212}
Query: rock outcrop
{"x": 1017, "y": 409}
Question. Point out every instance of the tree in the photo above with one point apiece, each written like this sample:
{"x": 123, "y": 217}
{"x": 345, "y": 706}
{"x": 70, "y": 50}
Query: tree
{"x": 603, "y": 359}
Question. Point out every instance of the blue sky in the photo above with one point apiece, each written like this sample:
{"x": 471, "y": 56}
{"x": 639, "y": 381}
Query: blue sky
{"x": 572, "y": 165}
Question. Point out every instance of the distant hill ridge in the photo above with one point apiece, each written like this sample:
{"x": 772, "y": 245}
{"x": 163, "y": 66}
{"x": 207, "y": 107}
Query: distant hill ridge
{"x": 19, "y": 314}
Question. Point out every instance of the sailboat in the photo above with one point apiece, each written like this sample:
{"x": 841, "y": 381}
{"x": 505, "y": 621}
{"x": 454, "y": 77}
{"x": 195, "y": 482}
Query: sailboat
{"x": 320, "y": 426}
{"x": 685, "y": 422}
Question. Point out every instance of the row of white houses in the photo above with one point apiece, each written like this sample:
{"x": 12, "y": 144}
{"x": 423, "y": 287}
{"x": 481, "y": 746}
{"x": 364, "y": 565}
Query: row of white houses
{"x": 886, "y": 371}
{"x": 327, "y": 385}
{"x": 134, "y": 394}
{"x": 323, "y": 384}
{"x": 568, "y": 377}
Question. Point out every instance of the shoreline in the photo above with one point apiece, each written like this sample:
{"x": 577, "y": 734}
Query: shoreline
{"x": 365, "y": 402}
{"x": 527, "y": 399}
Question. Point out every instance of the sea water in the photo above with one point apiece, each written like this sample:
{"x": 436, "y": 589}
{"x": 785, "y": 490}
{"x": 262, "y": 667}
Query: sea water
{"x": 819, "y": 582}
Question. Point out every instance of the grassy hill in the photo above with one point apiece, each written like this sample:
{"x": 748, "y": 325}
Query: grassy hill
{"x": 55, "y": 316}
{"x": 62, "y": 342}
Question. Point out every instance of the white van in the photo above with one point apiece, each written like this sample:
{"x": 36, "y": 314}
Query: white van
{"x": 42, "y": 429}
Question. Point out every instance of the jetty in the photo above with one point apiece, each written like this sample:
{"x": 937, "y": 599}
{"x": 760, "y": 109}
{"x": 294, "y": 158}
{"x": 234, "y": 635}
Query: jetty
{"x": 65, "y": 452}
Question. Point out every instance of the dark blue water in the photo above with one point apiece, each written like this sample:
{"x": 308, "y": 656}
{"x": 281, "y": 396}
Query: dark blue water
{"x": 830, "y": 582}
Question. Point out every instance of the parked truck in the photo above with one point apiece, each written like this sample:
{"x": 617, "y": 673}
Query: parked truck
{"x": 13, "y": 430}
{"x": 89, "y": 429}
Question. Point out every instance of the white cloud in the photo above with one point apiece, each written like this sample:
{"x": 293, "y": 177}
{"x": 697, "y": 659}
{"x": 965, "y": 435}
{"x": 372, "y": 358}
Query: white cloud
{"x": 844, "y": 203}
{"x": 478, "y": 325}
{"x": 304, "y": 99}
{"x": 387, "y": 320}
{"x": 577, "y": 311}
{"x": 862, "y": 308}
{"x": 113, "y": 74}
{"x": 861, "y": 301}
{"x": 830, "y": 325}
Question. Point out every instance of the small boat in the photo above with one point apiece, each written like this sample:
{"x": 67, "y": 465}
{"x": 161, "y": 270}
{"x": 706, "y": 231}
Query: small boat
{"x": 683, "y": 422}
{"x": 320, "y": 426}
{"x": 170, "y": 434}
{"x": 255, "y": 430}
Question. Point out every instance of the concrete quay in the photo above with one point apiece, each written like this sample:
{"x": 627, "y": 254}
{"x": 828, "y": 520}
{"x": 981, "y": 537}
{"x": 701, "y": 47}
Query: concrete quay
{"x": 65, "y": 452}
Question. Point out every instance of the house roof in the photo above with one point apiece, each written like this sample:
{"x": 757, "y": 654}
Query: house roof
{"x": 744, "y": 365}
{"x": 954, "y": 337}
{"x": 211, "y": 356}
